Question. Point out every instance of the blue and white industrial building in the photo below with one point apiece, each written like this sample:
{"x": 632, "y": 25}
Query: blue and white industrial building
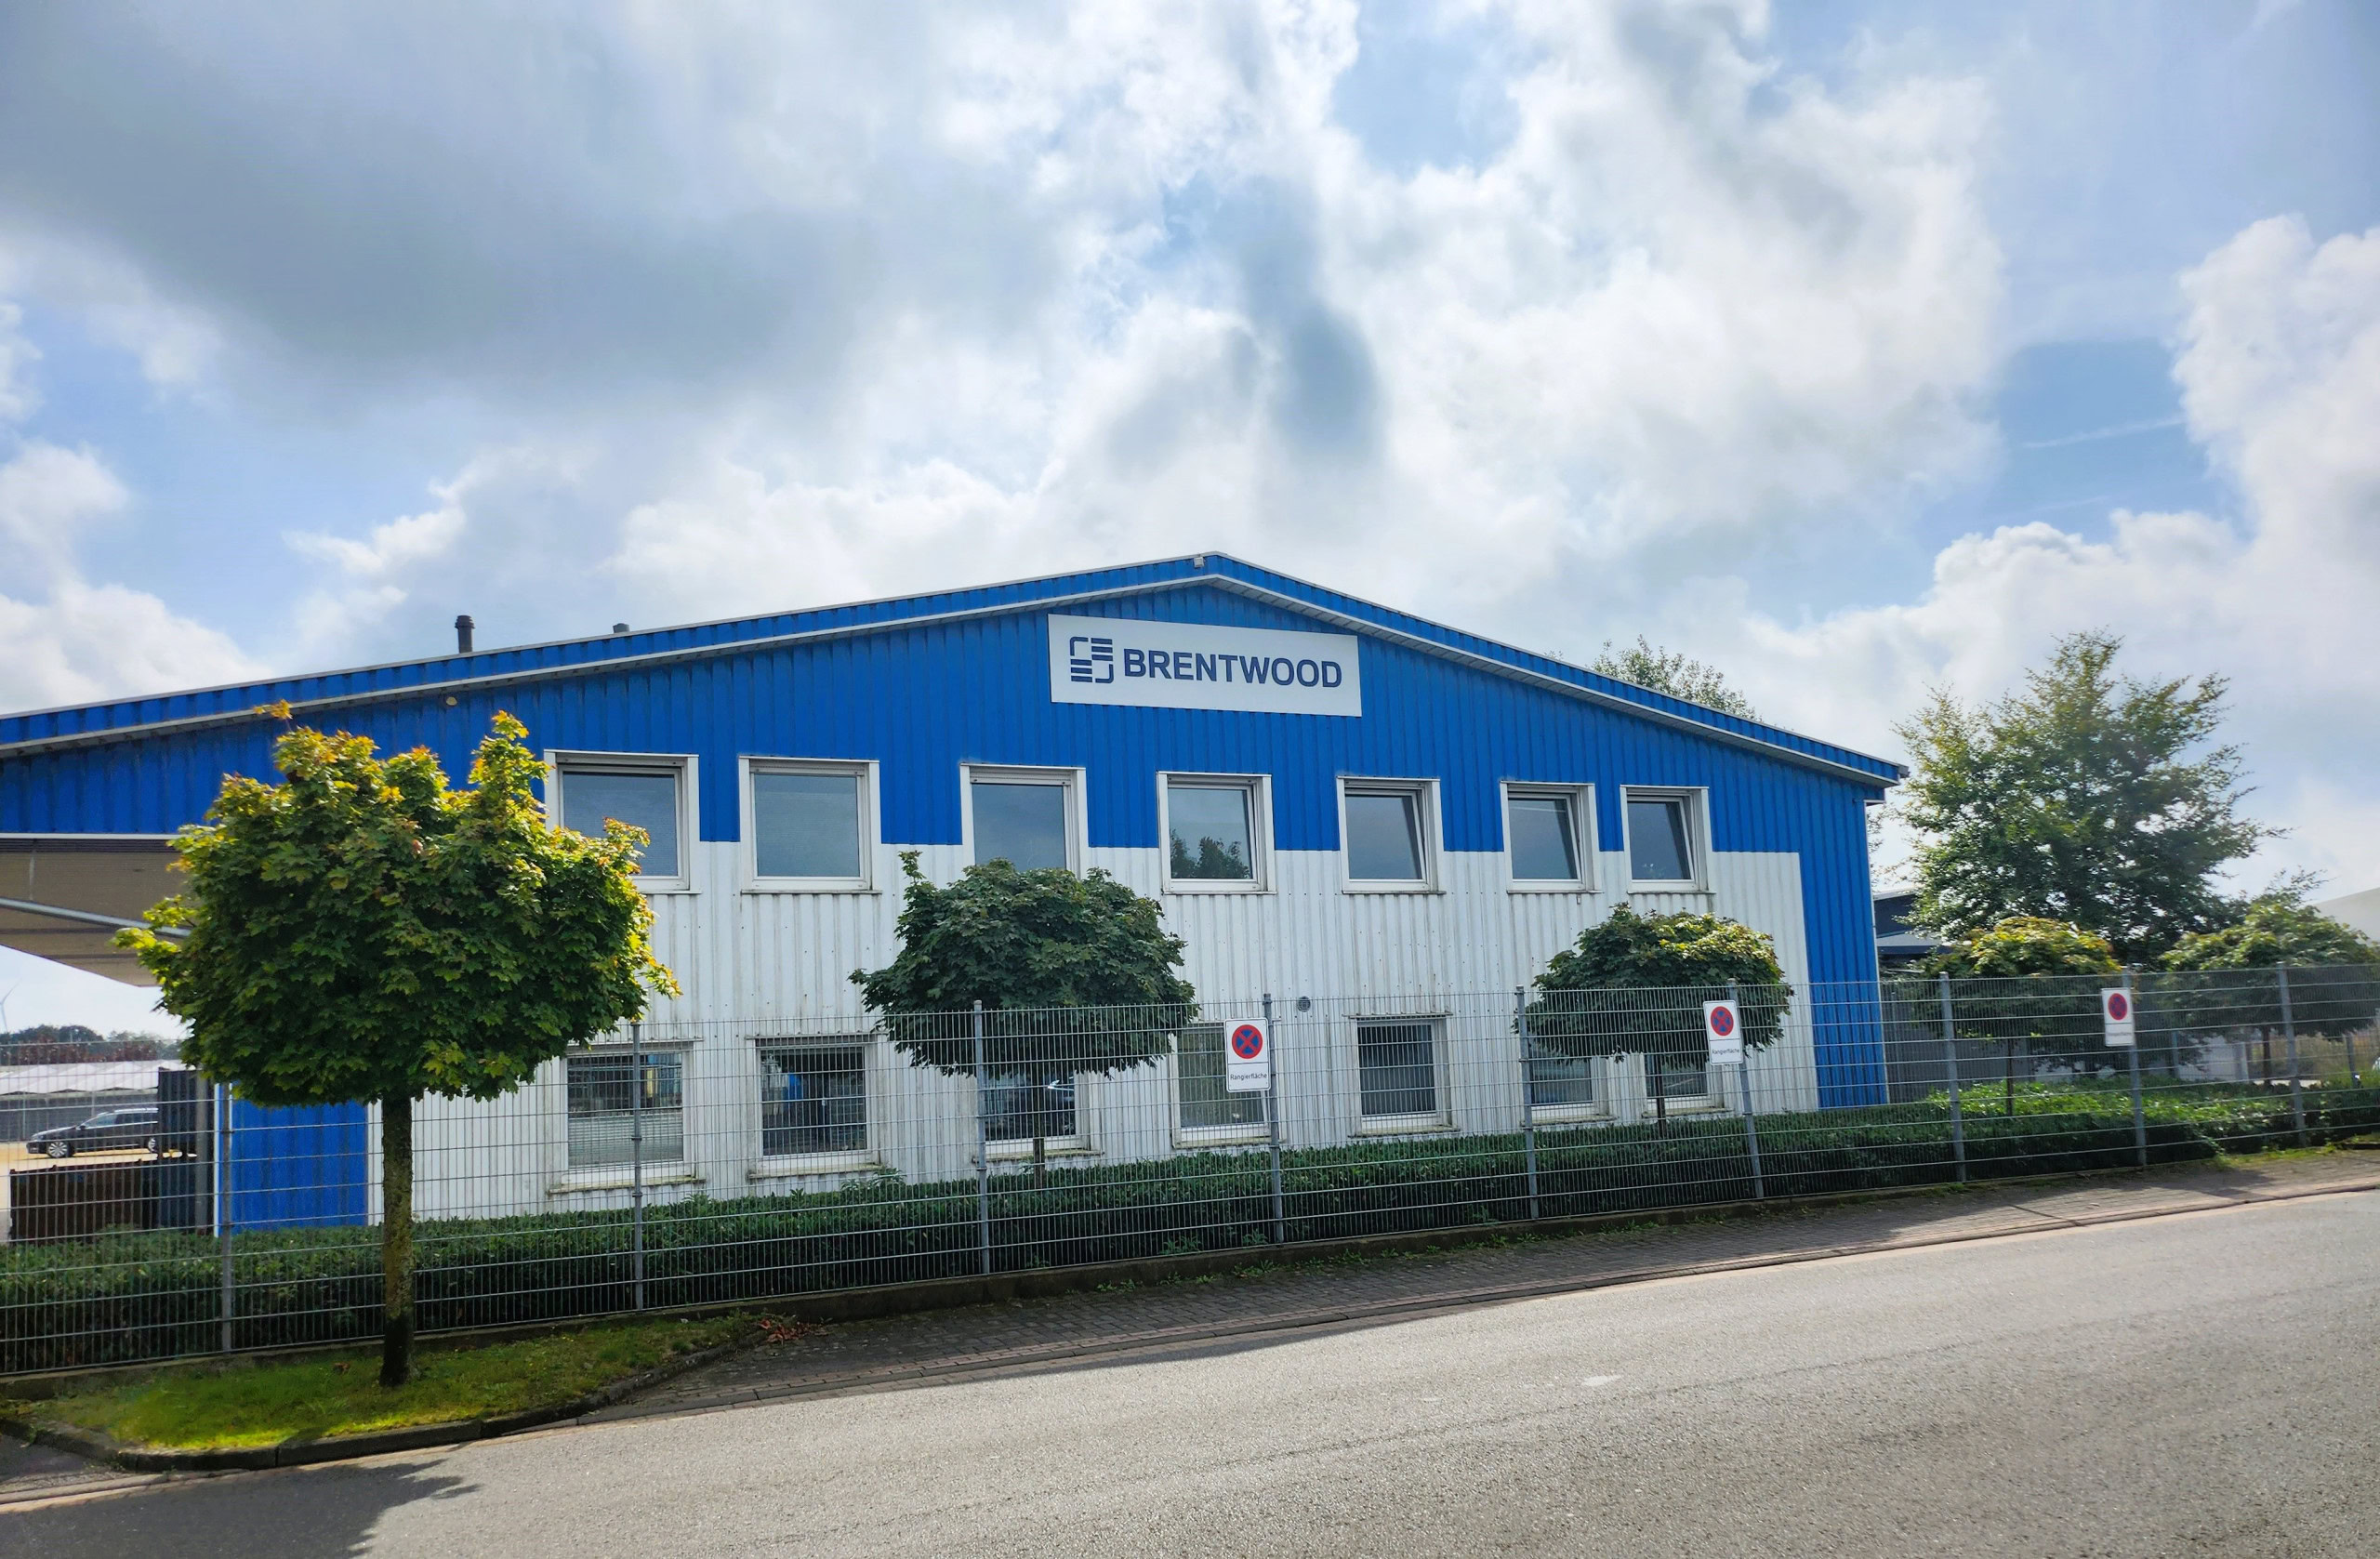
{"x": 1332, "y": 800}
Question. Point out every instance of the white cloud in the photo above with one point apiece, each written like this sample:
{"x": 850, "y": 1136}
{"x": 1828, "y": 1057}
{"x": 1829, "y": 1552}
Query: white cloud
{"x": 18, "y": 397}
{"x": 2280, "y": 367}
{"x": 66, "y": 640}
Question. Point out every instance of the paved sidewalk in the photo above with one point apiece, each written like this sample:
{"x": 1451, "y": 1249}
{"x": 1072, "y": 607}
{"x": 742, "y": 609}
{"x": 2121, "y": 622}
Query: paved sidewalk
{"x": 1073, "y": 1328}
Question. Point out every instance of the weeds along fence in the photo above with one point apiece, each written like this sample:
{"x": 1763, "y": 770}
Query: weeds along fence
{"x": 710, "y": 1163}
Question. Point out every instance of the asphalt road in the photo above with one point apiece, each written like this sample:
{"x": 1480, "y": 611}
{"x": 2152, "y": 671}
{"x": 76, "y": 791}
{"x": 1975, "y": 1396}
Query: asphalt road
{"x": 2204, "y": 1384}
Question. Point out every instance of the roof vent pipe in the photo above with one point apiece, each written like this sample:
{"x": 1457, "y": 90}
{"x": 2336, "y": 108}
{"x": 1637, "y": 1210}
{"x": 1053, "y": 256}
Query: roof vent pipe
{"x": 463, "y": 627}
{"x": 619, "y": 628}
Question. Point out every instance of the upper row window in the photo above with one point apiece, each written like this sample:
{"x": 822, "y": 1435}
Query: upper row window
{"x": 813, "y": 824}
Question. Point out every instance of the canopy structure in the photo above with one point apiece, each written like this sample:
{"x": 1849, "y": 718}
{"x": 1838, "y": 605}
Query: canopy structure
{"x": 64, "y": 896}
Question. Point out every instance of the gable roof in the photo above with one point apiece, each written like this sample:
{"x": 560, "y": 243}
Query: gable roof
{"x": 133, "y": 718}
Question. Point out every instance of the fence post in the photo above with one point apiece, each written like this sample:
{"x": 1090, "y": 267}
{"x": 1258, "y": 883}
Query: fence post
{"x": 2289, "y": 1031}
{"x": 983, "y": 1152}
{"x": 2139, "y": 1121}
{"x": 1273, "y": 1121}
{"x": 1528, "y": 1090}
{"x": 636, "y": 1155}
{"x": 1743, "y": 1078}
{"x": 223, "y": 1203}
{"x": 1951, "y": 1060}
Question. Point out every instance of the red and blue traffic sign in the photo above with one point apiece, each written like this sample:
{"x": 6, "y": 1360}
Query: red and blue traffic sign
{"x": 1247, "y": 1041}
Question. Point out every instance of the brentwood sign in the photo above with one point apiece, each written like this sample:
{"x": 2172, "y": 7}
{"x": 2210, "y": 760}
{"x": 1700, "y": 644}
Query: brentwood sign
{"x": 1192, "y": 666}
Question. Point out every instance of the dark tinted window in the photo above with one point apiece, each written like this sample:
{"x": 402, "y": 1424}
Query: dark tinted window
{"x": 649, "y": 800}
{"x": 805, "y": 824}
{"x": 1024, "y": 825}
{"x": 1539, "y": 835}
{"x": 1656, "y": 843}
{"x": 1384, "y": 838}
{"x": 1397, "y": 1068}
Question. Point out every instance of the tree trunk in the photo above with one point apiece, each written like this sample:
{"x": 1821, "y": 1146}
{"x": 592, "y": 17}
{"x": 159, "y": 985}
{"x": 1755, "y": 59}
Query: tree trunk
{"x": 1660, "y": 1097}
{"x": 396, "y": 1241}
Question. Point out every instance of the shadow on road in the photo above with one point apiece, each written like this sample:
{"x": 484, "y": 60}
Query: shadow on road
{"x": 302, "y": 1514}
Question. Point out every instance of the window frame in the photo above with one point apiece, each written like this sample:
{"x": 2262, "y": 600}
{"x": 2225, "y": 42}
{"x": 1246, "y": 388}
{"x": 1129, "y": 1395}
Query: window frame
{"x": 1075, "y": 1143}
{"x": 1695, "y": 800}
{"x": 1070, "y": 780}
{"x": 1257, "y": 789}
{"x": 767, "y": 1165}
{"x": 750, "y": 766}
{"x": 1582, "y": 842}
{"x": 1425, "y": 794}
{"x": 1597, "y": 1108}
{"x": 683, "y": 765}
{"x": 1712, "y": 1100}
{"x": 657, "y": 1171}
{"x": 1188, "y": 1135}
{"x": 1411, "y": 1123}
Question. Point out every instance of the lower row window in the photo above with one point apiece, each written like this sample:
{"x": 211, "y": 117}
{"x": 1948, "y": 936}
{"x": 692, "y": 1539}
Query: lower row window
{"x": 611, "y": 1097}
{"x": 1396, "y": 1066}
{"x": 1207, "y": 1104}
{"x": 814, "y": 1099}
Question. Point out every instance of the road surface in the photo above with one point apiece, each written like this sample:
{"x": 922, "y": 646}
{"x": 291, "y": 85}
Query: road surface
{"x": 2194, "y": 1385}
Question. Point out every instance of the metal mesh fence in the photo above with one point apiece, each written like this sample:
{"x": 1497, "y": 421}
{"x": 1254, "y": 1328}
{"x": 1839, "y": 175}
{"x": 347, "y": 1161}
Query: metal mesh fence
{"x": 700, "y": 1164}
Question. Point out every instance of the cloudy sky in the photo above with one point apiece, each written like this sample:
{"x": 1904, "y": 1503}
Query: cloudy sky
{"x": 1857, "y": 347}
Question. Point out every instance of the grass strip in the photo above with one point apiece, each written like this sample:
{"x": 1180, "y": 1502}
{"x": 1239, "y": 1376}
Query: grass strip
{"x": 241, "y": 1404}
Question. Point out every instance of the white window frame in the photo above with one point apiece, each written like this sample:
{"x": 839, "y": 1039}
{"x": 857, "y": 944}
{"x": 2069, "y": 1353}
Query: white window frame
{"x": 1712, "y": 1100}
{"x": 1698, "y": 836}
{"x": 767, "y": 1166}
{"x": 970, "y": 774}
{"x": 1074, "y": 1144}
{"x": 1413, "y": 1124}
{"x": 1598, "y": 1108}
{"x": 871, "y": 824}
{"x": 1259, "y": 791}
{"x": 682, "y": 1171}
{"x": 1582, "y": 843}
{"x": 684, "y": 765}
{"x": 1425, "y": 792}
{"x": 1188, "y": 1135}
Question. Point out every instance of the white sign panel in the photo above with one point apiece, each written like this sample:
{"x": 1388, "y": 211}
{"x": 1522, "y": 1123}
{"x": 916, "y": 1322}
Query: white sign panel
{"x": 1248, "y": 1061}
{"x": 2115, "y": 1006}
{"x": 1195, "y": 666}
{"x": 1722, "y": 1025}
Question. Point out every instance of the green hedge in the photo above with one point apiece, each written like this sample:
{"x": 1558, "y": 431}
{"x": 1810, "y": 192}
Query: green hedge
{"x": 142, "y": 1296}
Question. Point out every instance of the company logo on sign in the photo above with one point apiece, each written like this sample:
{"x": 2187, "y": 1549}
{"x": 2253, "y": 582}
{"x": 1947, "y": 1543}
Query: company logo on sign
{"x": 1195, "y": 666}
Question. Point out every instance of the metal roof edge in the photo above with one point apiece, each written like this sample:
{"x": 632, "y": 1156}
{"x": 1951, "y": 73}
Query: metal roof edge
{"x": 1384, "y": 621}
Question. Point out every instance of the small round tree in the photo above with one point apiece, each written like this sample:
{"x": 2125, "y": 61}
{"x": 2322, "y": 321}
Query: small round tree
{"x": 1076, "y": 975}
{"x": 2050, "y": 1001}
{"x": 1634, "y": 985}
{"x": 362, "y": 933}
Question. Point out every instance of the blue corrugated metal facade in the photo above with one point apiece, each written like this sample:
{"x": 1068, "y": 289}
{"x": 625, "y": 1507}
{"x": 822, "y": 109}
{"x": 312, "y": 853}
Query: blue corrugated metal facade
{"x": 924, "y": 685}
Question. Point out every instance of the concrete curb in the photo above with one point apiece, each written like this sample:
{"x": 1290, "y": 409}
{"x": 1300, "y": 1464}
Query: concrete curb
{"x": 346, "y": 1448}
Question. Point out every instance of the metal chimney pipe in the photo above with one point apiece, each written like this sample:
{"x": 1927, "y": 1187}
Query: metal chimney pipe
{"x": 463, "y": 627}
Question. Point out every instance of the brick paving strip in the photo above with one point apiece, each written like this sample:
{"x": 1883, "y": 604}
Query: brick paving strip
{"x": 1309, "y": 1296}
{"x": 1170, "y": 1316}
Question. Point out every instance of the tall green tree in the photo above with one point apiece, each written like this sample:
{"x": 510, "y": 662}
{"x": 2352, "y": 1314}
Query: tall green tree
{"x": 2031, "y": 984}
{"x": 2083, "y": 798}
{"x": 1674, "y": 672}
{"x": 1634, "y": 985}
{"x": 1076, "y": 974}
{"x": 360, "y": 932}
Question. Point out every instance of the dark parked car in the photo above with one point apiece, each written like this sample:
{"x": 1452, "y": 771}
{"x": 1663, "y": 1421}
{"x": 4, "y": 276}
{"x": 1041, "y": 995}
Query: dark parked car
{"x": 135, "y": 1126}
